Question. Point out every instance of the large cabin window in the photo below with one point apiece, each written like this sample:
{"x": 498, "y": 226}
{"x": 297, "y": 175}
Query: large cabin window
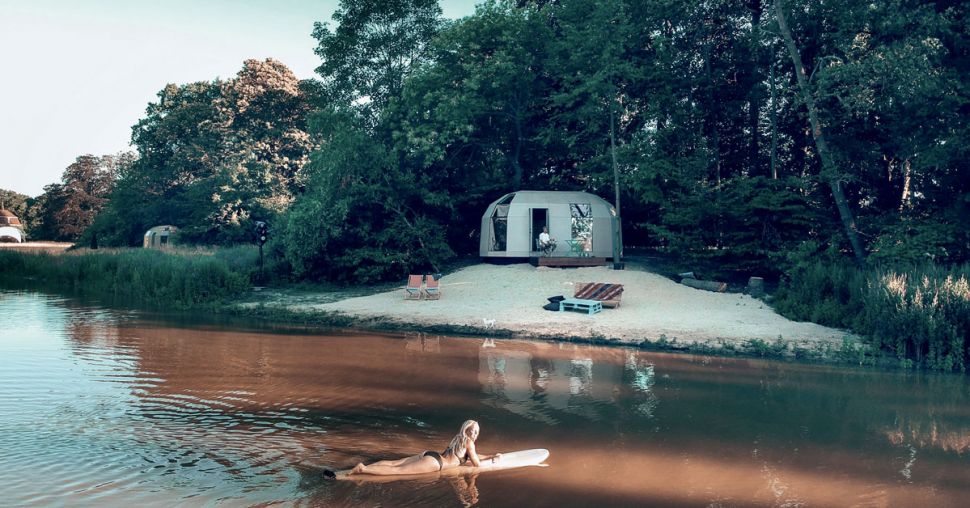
{"x": 499, "y": 228}
{"x": 582, "y": 225}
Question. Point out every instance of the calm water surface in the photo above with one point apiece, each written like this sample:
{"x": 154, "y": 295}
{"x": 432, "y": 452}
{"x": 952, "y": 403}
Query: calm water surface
{"x": 108, "y": 408}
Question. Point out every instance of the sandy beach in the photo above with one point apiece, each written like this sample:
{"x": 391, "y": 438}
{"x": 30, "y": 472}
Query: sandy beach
{"x": 653, "y": 308}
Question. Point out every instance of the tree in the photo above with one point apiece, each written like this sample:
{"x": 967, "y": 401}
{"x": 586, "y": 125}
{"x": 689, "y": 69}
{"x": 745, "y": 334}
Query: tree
{"x": 214, "y": 154}
{"x": 479, "y": 103}
{"x": 828, "y": 163}
{"x": 268, "y": 108}
{"x": 373, "y": 49}
{"x": 599, "y": 64}
{"x": 364, "y": 217}
{"x": 890, "y": 91}
{"x": 84, "y": 191}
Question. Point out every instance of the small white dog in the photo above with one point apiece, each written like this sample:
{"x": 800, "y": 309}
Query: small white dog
{"x": 488, "y": 323}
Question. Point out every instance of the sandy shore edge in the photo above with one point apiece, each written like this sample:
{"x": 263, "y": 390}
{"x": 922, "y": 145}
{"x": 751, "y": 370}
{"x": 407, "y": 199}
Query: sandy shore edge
{"x": 507, "y": 300}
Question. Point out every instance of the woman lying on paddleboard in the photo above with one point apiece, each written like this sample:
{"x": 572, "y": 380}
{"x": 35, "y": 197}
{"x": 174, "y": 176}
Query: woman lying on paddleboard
{"x": 460, "y": 451}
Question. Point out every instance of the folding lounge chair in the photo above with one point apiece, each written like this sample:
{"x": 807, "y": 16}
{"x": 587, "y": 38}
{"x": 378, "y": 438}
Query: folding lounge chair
{"x": 609, "y": 294}
{"x": 431, "y": 289}
{"x": 413, "y": 290}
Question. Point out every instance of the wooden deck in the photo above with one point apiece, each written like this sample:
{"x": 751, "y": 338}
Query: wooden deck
{"x": 568, "y": 261}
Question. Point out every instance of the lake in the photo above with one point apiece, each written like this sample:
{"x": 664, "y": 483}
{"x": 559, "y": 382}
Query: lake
{"x": 116, "y": 407}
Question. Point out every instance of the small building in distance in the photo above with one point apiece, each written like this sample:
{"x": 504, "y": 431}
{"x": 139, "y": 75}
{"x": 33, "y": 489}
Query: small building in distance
{"x": 160, "y": 237}
{"x": 581, "y": 223}
{"x": 11, "y": 229}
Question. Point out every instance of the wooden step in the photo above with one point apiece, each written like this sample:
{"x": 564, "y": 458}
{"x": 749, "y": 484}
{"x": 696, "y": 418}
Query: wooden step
{"x": 569, "y": 261}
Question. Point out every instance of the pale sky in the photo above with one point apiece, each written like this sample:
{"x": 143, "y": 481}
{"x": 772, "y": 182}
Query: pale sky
{"x": 78, "y": 74}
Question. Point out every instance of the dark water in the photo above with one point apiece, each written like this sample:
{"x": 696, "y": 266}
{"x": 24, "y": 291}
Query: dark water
{"x": 107, "y": 408}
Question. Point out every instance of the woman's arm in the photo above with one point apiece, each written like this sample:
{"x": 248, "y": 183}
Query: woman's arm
{"x": 477, "y": 459}
{"x": 473, "y": 454}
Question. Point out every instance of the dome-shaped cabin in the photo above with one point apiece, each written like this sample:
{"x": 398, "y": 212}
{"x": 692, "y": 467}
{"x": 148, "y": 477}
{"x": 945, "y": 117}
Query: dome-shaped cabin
{"x": 11, "y": 229}
{"x": 581, "y": 223}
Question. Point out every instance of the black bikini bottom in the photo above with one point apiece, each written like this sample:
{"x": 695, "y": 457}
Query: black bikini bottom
{"x": 435, "y": 456}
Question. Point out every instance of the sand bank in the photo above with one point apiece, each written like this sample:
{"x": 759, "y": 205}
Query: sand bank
{"x": 653, "y": 308}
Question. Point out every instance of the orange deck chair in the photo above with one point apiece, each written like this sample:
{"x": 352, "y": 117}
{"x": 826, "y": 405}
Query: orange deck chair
{"x": 413, "y": 290}
{"x": 432, "y": 291}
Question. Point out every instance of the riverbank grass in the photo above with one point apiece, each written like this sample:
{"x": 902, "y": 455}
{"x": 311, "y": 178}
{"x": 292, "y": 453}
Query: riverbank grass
{"x": 174, "y": 279}
{"x": 920, "y": 314}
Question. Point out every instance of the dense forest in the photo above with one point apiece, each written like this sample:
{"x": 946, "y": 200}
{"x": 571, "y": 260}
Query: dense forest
{"x": 746, "y": 133}
{"x": 822, "y": 142}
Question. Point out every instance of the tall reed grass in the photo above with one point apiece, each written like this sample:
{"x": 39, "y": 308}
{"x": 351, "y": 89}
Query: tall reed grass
{"x": 920, "y": 314}
{"x": 181, "y": 279}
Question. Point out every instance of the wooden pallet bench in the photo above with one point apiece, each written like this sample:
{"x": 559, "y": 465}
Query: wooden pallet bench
{"x": 607, "y": 293}
{"x": 590, "y": 306}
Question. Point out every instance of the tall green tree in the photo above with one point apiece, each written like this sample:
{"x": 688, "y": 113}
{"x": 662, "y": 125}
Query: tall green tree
{"x": 364, "y": 216}
{"x": 891, "y": 91}
{"x": 266, "y": 147}
{"x": 481, "y": 100}
{"x": 211, "y": 155}
{"x": 372, "y": 49}
{"x": 599, "y": 57}
{"x": 831, "y": 173}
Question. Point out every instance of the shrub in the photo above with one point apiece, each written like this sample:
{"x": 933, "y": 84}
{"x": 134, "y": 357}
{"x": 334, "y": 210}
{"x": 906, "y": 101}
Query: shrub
{"x": 171, "y": 279}
{"x": 920, "y": 314}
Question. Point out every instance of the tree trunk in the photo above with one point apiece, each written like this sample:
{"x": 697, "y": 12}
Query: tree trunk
{"x": 755, "y": 95}
{"x": 774, "y": 125}
{"x": 828, "y": 164}
{"x": 517, "y": 151}
{"x": 907, "y": 175}
{"x": 618, "y": 237}
{"x": 706, "y": 285}
{"x": 712, "y": 117}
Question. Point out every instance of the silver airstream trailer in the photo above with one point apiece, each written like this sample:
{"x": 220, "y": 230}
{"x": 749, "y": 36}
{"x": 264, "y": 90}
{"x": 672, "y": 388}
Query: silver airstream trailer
{"x": 160, "y": 237}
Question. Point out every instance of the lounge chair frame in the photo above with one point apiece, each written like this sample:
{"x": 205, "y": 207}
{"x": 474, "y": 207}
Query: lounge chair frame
{"x": 413, "y": 291}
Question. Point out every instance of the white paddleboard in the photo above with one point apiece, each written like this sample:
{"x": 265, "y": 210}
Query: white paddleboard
{"x": 508, "y": 460}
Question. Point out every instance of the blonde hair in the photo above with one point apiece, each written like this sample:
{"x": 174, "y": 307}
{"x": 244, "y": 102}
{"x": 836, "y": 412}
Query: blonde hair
{"x": 459, "y": 443}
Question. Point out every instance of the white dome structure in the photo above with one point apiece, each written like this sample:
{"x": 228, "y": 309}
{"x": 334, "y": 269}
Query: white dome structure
{"x": 11, "y": 230}
{"x": 581, "y": 223}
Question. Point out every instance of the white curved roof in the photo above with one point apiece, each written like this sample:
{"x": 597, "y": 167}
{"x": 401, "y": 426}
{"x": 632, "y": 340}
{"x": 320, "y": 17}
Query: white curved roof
{"x": 11, "y": 232}
{"x": 552, "y": 197}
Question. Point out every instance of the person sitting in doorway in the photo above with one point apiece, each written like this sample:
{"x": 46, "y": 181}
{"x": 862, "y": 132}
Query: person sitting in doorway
{"x": 547, "y": 244}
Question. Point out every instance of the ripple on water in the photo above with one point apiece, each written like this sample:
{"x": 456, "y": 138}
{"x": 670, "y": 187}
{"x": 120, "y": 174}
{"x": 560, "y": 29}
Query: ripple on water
{"x": 82, "y": 420}
{"x": 105, "y": 409}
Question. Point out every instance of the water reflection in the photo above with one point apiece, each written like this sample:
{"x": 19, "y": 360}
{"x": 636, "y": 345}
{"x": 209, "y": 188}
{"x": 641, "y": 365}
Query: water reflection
{"x": 567, "y": 379}
{"x": 111, "y": 408}
{"x": 465, "y": 489}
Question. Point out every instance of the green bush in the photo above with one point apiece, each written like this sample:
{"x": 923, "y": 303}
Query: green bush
{"x": 182, "y": 279}
{"x": 920, "y": 314}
